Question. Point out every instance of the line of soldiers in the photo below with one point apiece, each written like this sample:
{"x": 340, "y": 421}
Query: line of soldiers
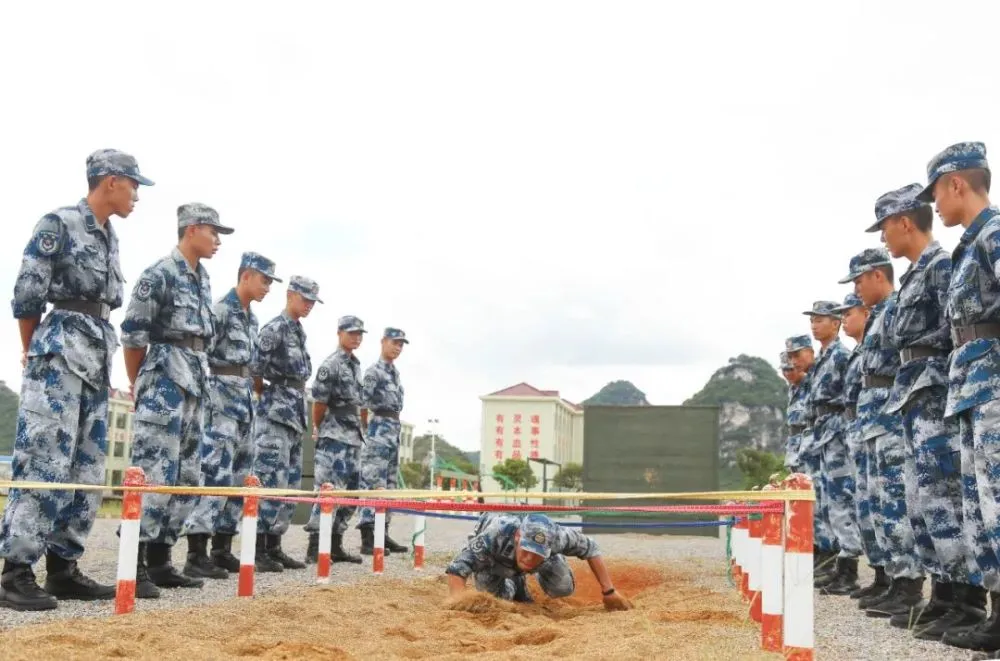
{"x": 215, "y": 400}
{"x": 902, "y": 435}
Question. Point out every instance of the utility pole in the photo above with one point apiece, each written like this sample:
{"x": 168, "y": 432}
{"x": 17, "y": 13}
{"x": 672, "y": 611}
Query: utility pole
{"x": 431, "y": 423}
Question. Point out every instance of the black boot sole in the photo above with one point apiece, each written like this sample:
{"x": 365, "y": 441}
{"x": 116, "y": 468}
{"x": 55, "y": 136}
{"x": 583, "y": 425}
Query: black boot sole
{"x": 80, "y": 597}
{"x": 4, "y": 603}
{"x": 193, "y": 572}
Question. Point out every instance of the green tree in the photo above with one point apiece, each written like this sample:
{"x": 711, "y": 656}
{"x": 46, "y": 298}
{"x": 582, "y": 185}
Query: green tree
{"x": 518, "y": 472}
{"x": 570, "y": 477}
{"x": 757, "y": 466}
{"x": 415, "y": 475}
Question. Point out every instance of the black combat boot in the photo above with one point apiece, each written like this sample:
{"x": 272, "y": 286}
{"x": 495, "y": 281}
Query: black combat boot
{"x": 20, "y": 591}
{"x": 198, "y": 564}
{"x": 144, "y": 586}
{"x": 877, "y": 586}
{"x": 337, "y": 552}
{"x": 162, "y": 571}
{"x": 968, "y": 609}
{"x": 64, "y": 580}
{"x": 222, "y": 553}
{"x": 312, "y": 550}
{"x": 367, "y": 539}
{"x": 985, "y": 637}
{"x": 824, "y": 568}
{"x": 521, "y": 594}
{"x": 908, "y": 593}
{"x": 846, "y": 580}
{"x": 391, "y": 546}
{"x": 926, "y": 611}
{"x": 275, "y": 552}
{"x": 262, "y": 560}
{"x": 864, "y": 603}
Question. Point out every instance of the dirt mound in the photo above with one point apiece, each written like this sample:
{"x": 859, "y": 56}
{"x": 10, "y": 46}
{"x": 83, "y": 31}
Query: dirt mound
{"x": 414, "y": 619}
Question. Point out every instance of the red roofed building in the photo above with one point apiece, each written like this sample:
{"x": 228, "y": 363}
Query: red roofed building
{"x": 523, "y": 422}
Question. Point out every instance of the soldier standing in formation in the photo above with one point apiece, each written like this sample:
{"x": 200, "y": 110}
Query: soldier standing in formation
{"x": 227, "y": 451}
{"x": 337, "y": 415}
{"x": 383, "y": 398}
{"x": 284, "y": 363}
{"x": 798, "y": 416}
{"x": 71, "y": 263}
{"x": 167, "y": 330}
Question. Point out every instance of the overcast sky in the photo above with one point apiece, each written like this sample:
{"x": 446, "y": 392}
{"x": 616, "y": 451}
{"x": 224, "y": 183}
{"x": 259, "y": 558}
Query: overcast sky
{"x": 563, "y": 193}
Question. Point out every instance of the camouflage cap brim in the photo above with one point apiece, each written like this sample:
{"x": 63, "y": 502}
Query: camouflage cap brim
{"x": 877, "y": 227}
{"x": 927, "y": 194}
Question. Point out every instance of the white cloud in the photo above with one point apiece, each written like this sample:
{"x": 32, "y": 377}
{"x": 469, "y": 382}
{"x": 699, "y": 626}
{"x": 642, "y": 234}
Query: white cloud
{"x": 549, "y": 192}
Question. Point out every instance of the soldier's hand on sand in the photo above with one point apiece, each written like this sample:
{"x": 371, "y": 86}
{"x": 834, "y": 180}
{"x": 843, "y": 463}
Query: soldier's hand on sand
{"x": 616, "y": 602}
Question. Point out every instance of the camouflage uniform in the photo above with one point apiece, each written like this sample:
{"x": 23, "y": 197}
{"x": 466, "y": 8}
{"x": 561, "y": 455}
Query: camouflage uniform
{"x": 72, "y": 264}
{"x": 882, "y": 431}
{"x": 284, "y": 362}
{"x": 170, "y": 312}
{"x": 826, "y": 397}
{"x": 338, "y": 448}
{"x": 858, "y": 450}
{"x": 798, "y": 420}
{"x": 382, "y": 395}
{"x": 490, "y": 555}
{"x": 227, "y": 450}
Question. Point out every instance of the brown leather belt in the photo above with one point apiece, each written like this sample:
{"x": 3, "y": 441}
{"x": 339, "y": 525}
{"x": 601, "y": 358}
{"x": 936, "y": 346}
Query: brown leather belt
{"x": 386, "y": 413}
{"x": 96, "y": 309}
{"x": 231, "y": 370}
{"x": 192, "y": 342}
{"x": 877, "y": 381}
{"x": 295, "y": 384}
{"x": 962, "y": 334}
{"x": 797, "y": 429}
{"x": 913, "y": 353}
{"x": 823, "y": 409}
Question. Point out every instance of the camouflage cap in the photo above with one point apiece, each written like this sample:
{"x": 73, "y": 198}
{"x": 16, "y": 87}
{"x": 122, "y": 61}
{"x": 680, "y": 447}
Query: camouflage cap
{"x": 395, "y": 334}
{"x": 537, "y": 534}
{"x": 797, "y": 343}
{"x": 785, "y": 362}
{"x": 257, "y": 262}
{"x": 850, "y": 301}
{"x": 824, "y": 309}
{"x": 196, "y": 213}
{"x": 865, "y": 261}
{"x": 896, "y": 202}
{"x": 960, "y": 156}
{"x": 351, "y": 324}
{"x": 104, "y": 162}
{"x": 305, "y": 287}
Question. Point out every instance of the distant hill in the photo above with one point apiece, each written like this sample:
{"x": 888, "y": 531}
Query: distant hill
{"x": 445, "y": 451}
{"x": 618, "y": 393}
{"x": 8, "y": 419}
{"x": 752, "y": 398}
{"x": 473, "y": 457}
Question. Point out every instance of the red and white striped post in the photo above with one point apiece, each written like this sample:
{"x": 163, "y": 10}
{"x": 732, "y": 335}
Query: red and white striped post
{"x": 799, "y": 637}
{"x": 325, "y": 534}
{"x": 378, "y": 554}
{"x": 755, "y": 528}
{"x": 419, "y": 528}
{"x": 128, "y": 541}
{"x": 248, "y": 541}
{"x": 772, "y": 589}
{"x": 739, "y": 553}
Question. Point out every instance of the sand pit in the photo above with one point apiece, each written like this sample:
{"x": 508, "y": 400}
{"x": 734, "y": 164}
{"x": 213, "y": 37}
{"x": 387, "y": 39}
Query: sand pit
{"x": 406, "y": 619}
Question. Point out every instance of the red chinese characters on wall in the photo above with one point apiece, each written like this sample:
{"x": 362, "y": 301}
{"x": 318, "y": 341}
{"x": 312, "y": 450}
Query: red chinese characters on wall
{"x": 498, "y": 453}
{"x": 536, "y": 428}
{"x": 516, "y": 454}
{"x": 516, "y": 442}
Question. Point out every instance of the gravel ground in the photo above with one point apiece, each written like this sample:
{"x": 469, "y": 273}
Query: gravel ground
{"x": 842, "y": 631}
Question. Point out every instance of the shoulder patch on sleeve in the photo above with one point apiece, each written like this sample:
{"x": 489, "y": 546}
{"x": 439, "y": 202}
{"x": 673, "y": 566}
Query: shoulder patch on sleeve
{"x": 143, "y": 289}
{"x": 267, "y": 342}
{"x": 477, "y": 544}
{"x": 323, "y": 374}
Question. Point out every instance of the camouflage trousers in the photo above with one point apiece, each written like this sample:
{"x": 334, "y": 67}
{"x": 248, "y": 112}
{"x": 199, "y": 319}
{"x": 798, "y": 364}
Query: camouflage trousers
{"x": 811, "y": 463}
{"x": 554, "y": 576}
{"x": 979, "y": 429}
{"x": 934, "y": 488}
{"x": 892, "y": 523}
{"x": 838, "y": 479}
{"x": 277, "y": 462}
{"x": 865, "y": 497}
{"x": 792, "y": 461}
{"x": 379, "y": 462}
{"x": 226, "y": 455}
{"x": 62, "y": 436}
{"x": 336, "y": 463}
{"x": 166, "y": 442}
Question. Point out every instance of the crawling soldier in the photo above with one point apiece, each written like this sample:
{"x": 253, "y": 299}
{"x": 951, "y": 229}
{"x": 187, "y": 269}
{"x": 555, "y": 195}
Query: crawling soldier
{"x": 504, "y": 548}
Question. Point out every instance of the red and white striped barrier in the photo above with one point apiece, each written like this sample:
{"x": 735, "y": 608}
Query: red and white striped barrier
{"x": 248, "y": 539}
{"x": 419, "y": 528}
{"x": 740, "y": 534}
{"x": 754, "y": 529}
{"x": 325, "y": 536}
{"x": 128, "y": 543}
{"x": 772, "y": 588}
{"x": 378, "y": 555}
{"x": 798, "y": 607}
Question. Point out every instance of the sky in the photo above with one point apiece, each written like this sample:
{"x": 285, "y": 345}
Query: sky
{"x": 562, "y": 193}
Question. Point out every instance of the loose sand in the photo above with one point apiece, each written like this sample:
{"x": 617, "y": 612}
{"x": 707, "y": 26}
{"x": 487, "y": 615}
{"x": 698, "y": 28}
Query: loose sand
{"x": 382, "y": 618}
